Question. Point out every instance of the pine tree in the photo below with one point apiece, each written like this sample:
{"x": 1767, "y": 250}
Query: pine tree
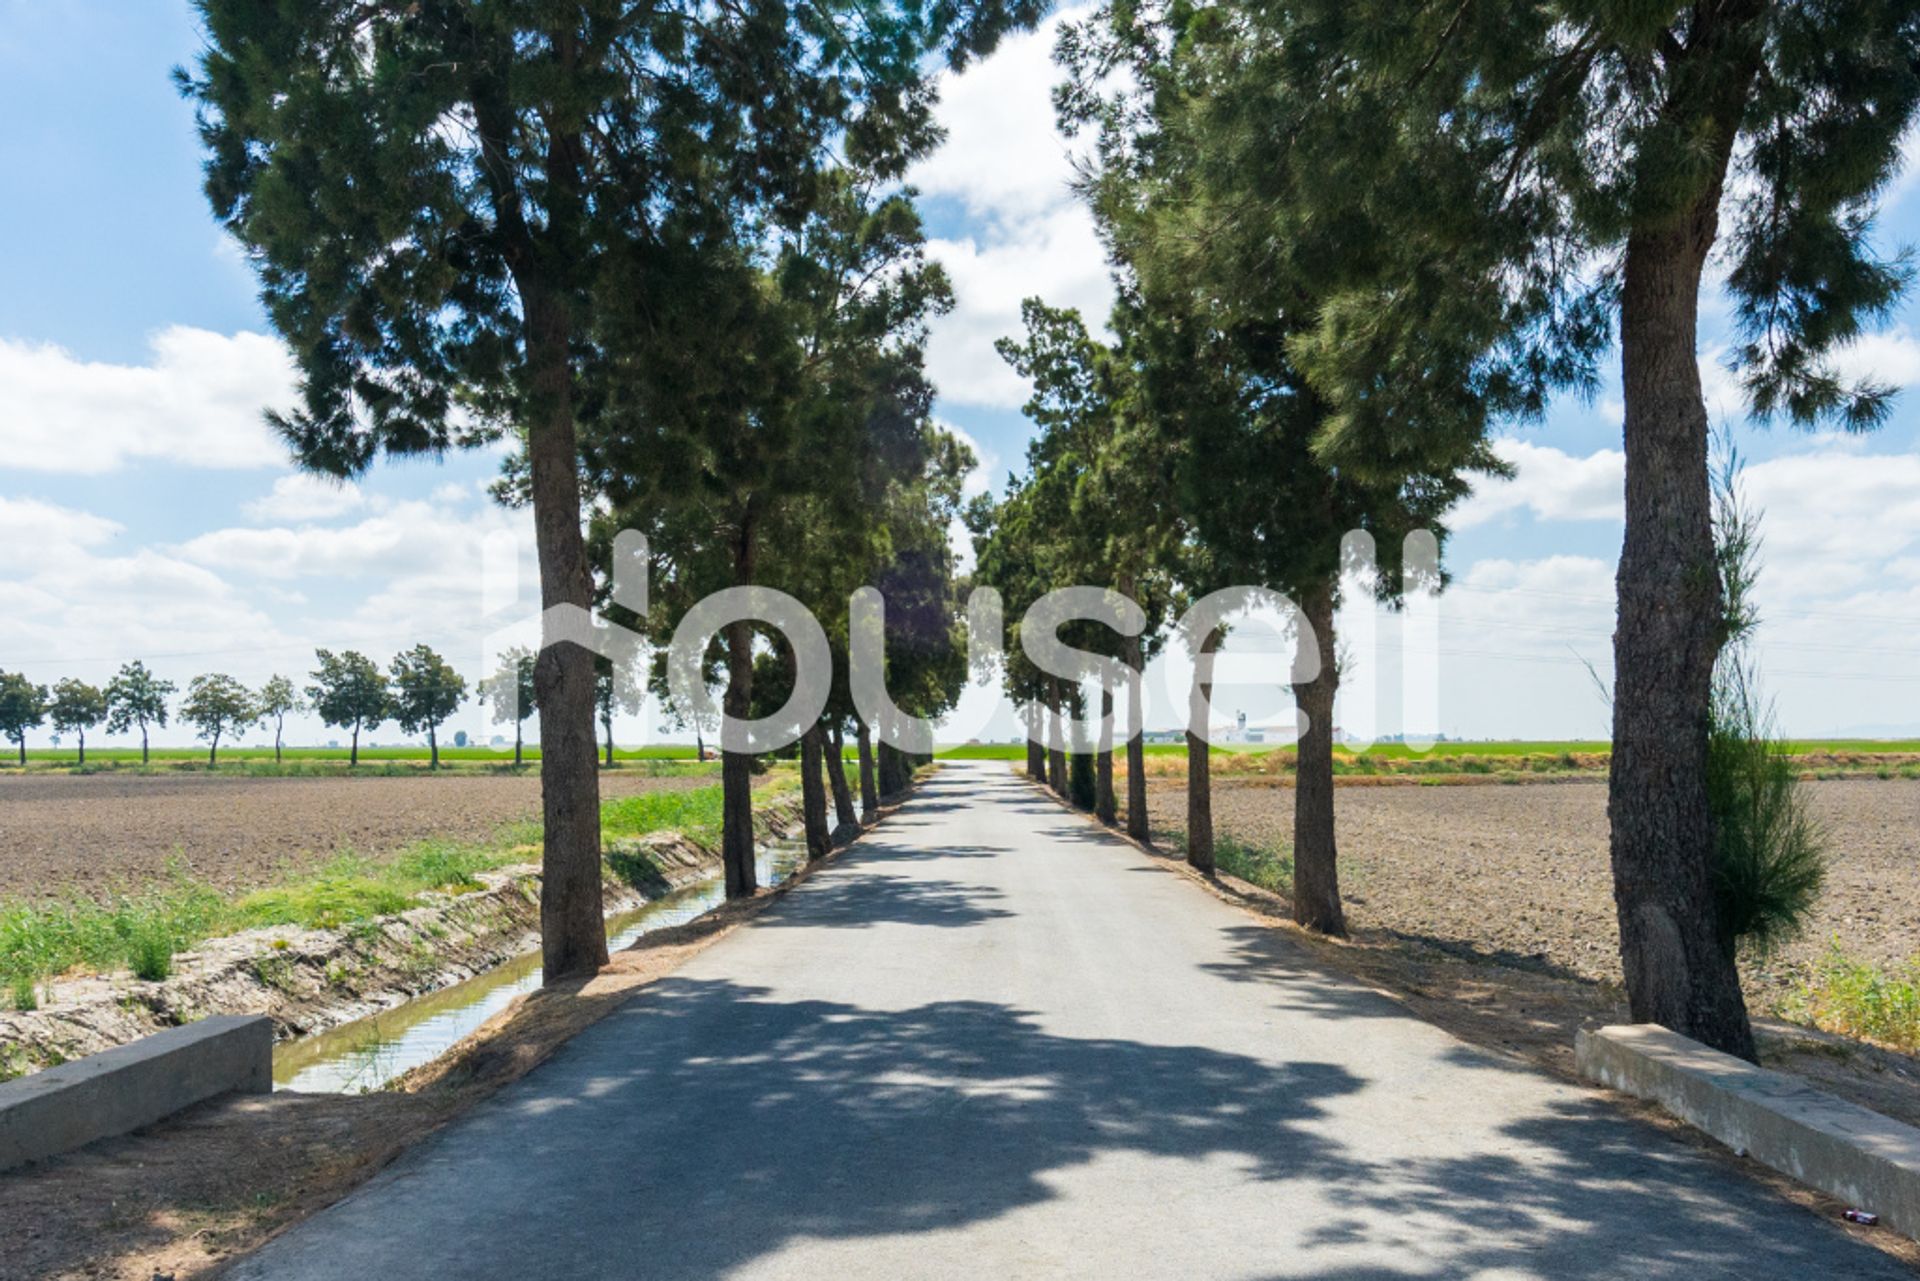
{"x": 1521, "y": 179}
{"x": 1223, "y": 285}
{"x": 440, "y": 198}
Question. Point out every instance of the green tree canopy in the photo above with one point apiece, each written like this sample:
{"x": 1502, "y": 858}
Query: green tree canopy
{"x": 511, "y": 694}
{"x": 349, "y": 692}
{"x": 217, "y": 705}
{"x": 23, "y": 706}
{"x": 1528, "y": 180}
{"x": 75, "y": 708}
{"x": 443, "y": 199}
{"x": 425, "y": 692}
{"x": 137, "y": 698}
{"x": 278, "y": 699}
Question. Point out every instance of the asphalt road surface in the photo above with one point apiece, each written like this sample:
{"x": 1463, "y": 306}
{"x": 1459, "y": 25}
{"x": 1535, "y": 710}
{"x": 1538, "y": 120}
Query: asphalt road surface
{"x": 993, "y": 1042}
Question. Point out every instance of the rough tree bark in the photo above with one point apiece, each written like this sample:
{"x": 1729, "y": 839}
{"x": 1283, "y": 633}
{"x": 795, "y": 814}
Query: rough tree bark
{"x": 1056, "y": 741}
{"x": 844, "y": 813}
{"x": 1036, "y": 751}
{"x": 1199, "y": 767}
{"x": 813, "y": 793}
{"x": 1136, "y": 743}
{"x": 1316, "y": 863}
{"x": 1104, "y": 807}
{"x": 736, "y": 768}
{"x": 869, "y": 785}
{"x": 573, "y": 937}
{"x": 1679, "y": 971}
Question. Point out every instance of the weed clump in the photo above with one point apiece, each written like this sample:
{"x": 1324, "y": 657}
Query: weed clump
{"x": 1858, "y": 999}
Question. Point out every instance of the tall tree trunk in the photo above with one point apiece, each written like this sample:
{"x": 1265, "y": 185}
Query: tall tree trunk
{"x": 83, "y": 748}
{"x": 1056, "y": 741}
{"x": 1199, "y": 766}
{"x": 516, "y": 743}
{"x": 890, "y": 779}
{"x": 1036, "y": 751}
{"x": 433, "y": 748}
{"x": 813, "y": 793}
{"x": 843, "y": 811}
{"x": 869, "y": 788}
{"x": 1316, "y": 863}
{"x": 143, "y": 743}
{"x": 1104, "y": 807}
{"x": 736, "y": 768}
{"x": 279, "y": 728}
{"x": 1136, "y": 743}
{"x": 1679, "y": 969}
{"x": 213, "y": 750}
{"x": 607, "y": 723}
{"x": 353, "y": 748}
{"x": 22, "y": 741}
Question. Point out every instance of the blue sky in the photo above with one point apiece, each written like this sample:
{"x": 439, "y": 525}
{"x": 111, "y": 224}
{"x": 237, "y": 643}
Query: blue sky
{"x": 146, "y": 512}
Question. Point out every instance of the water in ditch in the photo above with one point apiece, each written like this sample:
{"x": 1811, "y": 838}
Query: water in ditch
{"x": 369, "y": 1052}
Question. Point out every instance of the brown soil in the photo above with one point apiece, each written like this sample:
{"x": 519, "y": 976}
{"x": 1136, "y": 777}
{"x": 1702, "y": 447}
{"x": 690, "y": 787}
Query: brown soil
{"x": 106, "y": 833}
{"x": 1519, "y": 874}
{"x": 191, "y": 1194}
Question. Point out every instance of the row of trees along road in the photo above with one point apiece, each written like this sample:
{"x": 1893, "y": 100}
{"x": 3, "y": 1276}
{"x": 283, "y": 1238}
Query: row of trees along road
{"x": 473, "y": 220}
{"x": 349, "y": 691}
{"x": 1351, "y": 237}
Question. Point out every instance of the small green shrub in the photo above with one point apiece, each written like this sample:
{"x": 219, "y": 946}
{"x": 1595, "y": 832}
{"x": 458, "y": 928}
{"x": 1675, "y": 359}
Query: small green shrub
{"x": 1856, "y": 998}
{"x": 25, "y": 997}
{"x": 1270, "y": 869}
{"x": 150, "y": 946}
{"x": 1769, "y": 854}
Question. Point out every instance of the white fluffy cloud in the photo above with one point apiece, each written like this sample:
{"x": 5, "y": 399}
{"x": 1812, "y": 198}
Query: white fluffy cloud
{"x": 1891, "y": 356}
{"x": 1011, "y": 170}
{"x": 304, "y": 496}
{"x": 36, "y": 533}
{"x": 413, "y": 538}
{"x": 198, "y": 401}
{"x": 1003, "y": 158}
{"x": 1548, "y": 484}
{"x": 80, "y": 607}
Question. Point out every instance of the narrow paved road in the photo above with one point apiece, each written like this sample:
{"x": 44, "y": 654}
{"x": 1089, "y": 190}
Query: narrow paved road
{"x": 994, "y": 1043}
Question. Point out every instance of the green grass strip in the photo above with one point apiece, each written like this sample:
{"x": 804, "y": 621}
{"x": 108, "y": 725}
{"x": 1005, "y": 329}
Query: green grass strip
{"x": 143, "y": 931}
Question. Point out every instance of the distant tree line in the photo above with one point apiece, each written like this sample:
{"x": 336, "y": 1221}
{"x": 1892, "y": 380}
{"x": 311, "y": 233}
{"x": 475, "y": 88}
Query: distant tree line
{"x": 419, "y": 691}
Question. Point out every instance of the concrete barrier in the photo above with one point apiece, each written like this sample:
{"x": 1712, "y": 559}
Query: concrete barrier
{"x": 133, "y": 1085}
{"x": 1855, "y": 1155}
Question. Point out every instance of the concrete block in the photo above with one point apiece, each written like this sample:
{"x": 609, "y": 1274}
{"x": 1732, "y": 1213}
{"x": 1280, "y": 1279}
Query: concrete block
{"x": 1853, "y": 1154}
{"x": 133, "y": 1085}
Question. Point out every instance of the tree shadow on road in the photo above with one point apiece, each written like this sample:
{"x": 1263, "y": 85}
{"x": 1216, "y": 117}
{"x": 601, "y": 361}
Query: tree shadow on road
{"x": 875, "y": 897}
{"x": 704, "y": 1127}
